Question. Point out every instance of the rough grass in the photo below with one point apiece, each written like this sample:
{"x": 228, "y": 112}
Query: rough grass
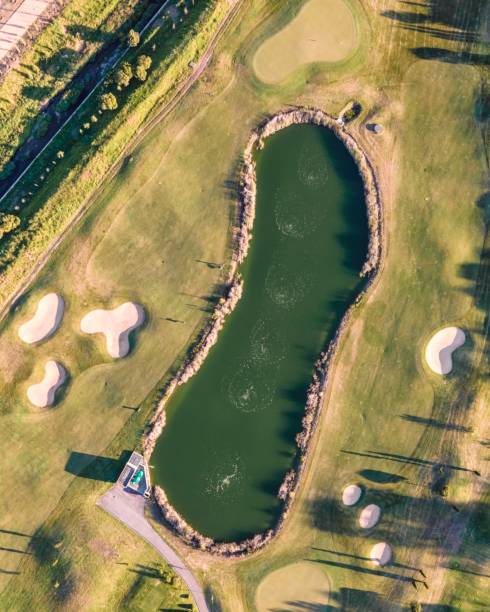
{"x": 57, "y": 54}
{"x": 387, "y": 424}
{"x": 321, "y": 32}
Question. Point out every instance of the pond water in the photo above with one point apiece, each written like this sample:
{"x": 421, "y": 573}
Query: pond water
{"x": 229, "y": 438}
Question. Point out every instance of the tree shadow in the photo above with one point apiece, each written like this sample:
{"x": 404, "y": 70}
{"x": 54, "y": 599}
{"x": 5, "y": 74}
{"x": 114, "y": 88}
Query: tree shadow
{"x": 458, "y": 23}
{"x": 95, "y": 467}
{"x": 434, "y": 423}
{"x": 381, "y": 477}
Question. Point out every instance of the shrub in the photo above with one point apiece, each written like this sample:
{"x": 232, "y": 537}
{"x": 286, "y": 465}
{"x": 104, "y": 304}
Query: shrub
{"x": 41, "y": 127}
{"x": 8, "y": 223}
{"x": 7, "y": 170}
{"x": 108, "y": 101}
{"x": 133, "y": 38}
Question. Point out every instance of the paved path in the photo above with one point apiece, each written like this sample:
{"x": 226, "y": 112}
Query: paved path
{"x": 129, "y": 509}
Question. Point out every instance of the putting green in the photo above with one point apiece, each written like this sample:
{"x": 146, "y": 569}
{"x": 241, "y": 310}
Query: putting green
{"x": 322, "y": 31}
{"x": 299, "y": 586}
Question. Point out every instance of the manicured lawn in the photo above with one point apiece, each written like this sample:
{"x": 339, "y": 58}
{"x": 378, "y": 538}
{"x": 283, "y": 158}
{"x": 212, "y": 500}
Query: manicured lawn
{"x": 291, "y": 587}
{"x": 387, "y": 422}
{"x": 322, "y": 31}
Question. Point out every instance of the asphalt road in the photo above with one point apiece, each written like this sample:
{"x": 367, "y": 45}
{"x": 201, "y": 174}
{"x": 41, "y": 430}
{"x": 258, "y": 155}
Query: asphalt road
{"x": 129, "y": 508}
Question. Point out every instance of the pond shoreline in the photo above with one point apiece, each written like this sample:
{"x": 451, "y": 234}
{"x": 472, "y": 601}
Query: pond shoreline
{"x": 242, "y": 234}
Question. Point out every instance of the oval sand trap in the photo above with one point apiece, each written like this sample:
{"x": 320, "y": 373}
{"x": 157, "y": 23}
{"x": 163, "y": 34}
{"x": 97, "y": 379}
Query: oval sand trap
{"x": 369, "y": 516}
{"x": 116, "y": 325}
{"x": 381, "y": 553}
{"x": 298, "y": 582}
{"x": 322, "y": 31}
{"x": 351, "y": 495}
{"x": 45, "y": 321}
{"x": 42, "y": 394}
{"x": 440, "y": 348}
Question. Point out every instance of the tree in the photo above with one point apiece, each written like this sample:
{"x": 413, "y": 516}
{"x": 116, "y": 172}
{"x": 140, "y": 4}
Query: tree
{"x": 142, "y": 64}
{"x": 8, "y": 223}
{"x": 144, "y": 61}
{"x": 123, "y": 75}
{"x": 140, "y": 73}
{"x": 133, "y": 39}
{"x": 108, "y": 101}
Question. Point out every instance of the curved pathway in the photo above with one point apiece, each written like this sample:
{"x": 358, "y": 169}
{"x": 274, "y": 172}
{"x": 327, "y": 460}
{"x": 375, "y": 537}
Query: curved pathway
{"x": 129, "y": 508}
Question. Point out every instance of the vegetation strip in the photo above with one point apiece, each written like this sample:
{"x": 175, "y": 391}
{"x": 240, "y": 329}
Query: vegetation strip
{"x": 29, "y": 245}
{"x": 209, "y": 336}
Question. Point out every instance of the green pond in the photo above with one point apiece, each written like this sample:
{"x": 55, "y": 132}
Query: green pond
{"x": 229, "y": 438}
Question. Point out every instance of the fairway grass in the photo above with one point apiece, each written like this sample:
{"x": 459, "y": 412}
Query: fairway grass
{"x": 322, "y": 31}
{"x": 292, "y": 587}
{"x": 386, "y": 425}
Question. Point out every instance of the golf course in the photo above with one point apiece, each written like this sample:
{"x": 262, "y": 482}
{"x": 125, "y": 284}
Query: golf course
{"x": 391, "y": 507}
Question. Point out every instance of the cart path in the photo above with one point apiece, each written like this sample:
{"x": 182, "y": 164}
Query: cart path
{"x": 129, "y": 508}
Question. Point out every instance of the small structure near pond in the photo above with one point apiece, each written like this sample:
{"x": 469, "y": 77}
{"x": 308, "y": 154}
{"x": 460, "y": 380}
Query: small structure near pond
{"x": 135, "y": 476}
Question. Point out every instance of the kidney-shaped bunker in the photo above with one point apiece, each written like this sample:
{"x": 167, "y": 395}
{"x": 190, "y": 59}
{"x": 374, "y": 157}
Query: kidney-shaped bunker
{"x": 42, "y": 394}
{"x": 116, "y": 324}
{"x": 45, "y": 321}
{"x": 440, "y": 348}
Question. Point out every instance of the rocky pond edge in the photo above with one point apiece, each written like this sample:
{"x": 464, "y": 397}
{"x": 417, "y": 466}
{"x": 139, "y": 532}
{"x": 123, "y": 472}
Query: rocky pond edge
{"x": 242, "y": 234}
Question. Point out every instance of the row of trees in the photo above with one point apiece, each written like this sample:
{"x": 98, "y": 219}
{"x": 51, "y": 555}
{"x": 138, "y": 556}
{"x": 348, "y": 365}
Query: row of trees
{"x": 123, "y": 77}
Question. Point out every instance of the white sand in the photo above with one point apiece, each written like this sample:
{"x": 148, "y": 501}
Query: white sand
{"x": 440, "y": 348}
{"x": 369, "y": 516}
{"x": 46, "y": 320}
{"x": 116, "y": 325}
{"x": 381, "y": 553}
{"x": 42, "y": 394}
{"x": 351, "y": 495}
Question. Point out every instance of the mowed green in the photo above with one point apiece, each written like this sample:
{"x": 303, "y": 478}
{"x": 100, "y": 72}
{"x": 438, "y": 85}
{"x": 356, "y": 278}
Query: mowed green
{"x": 322, "y": 31}
{"x": 293, "y": 587}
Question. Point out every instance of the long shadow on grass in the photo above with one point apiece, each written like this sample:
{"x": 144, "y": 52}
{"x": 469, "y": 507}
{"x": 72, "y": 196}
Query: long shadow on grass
{"x": 428, "y": 522}
{"x": 95, "y": 467}
{"x": 456, "y": 24}
{"x": 434, "y": 423}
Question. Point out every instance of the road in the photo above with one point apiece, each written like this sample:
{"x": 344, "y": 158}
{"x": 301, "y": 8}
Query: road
{"x": 129, "y": 508}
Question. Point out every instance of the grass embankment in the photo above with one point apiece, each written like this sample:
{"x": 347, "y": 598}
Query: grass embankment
{"x": 143, "y": 239}
{"x": 46, "y": 69}
{"x": 53, "y": 190}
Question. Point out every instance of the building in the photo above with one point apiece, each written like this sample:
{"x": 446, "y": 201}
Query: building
{"x": 135, "y": 476}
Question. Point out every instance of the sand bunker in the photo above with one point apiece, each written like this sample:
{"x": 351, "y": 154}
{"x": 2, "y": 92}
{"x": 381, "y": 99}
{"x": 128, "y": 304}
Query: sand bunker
{"x": 116, "y": 325}
{"x": 381, "y": 553}
{"x": 369, "y": 516}
{"x": 45, "y": 322}
{"x": 42, "y": 394}
{"x": 439, "y": 351}
{"x": 351, "y": 495}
